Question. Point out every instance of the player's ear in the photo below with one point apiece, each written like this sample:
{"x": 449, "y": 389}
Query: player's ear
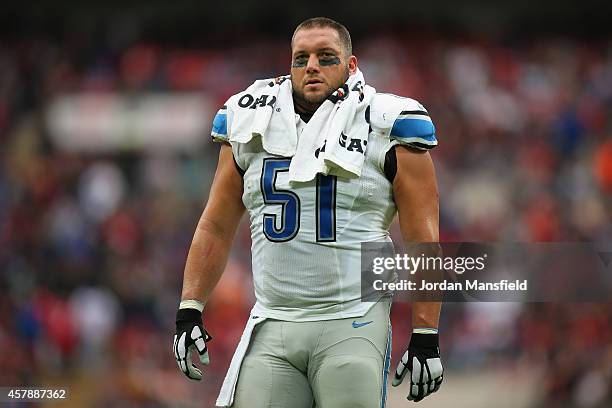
{"x": 352, "y": 64}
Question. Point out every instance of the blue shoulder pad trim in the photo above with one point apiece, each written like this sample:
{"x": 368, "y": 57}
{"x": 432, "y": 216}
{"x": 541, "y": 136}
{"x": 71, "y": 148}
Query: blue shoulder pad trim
{"x": 414, "y": 127}
{"x": 219, "y": 127}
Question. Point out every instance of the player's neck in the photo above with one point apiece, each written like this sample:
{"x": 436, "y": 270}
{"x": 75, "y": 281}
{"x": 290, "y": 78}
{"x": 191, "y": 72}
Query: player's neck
{"x": 303, "y": 107}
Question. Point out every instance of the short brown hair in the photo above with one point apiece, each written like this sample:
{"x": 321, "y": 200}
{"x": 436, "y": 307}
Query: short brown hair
{"x": 324, "y": 22}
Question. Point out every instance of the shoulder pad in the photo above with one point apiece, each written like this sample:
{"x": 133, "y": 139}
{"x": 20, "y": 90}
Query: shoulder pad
{"x": 219, "y": 126}
{"x": 402, "y": 119}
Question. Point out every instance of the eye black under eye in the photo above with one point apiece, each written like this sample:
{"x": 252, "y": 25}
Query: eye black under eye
{"x": 299, "y": 62}
{"x": 328, "y": 61}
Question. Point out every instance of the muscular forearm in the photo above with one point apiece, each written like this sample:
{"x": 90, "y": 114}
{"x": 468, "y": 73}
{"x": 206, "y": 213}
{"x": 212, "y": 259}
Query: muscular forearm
{"x": 426, "y": 311}
{"x": 216, "y": 229}
{"x": 206, "y": 260}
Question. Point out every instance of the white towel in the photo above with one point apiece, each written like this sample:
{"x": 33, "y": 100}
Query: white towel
{"x": 335, "y": 138}
{"x": 228, "y": 389}
{"x": 265, "y": 109}
{"x": 333, "y": 141}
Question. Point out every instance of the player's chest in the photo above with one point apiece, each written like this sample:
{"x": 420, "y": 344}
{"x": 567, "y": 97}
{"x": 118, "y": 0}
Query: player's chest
{"x": 266, "y": 182}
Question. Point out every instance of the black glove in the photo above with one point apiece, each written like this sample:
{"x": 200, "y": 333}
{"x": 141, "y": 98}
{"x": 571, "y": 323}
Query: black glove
{"x": 190, "y": 335}
{"x": 422, "y": 362}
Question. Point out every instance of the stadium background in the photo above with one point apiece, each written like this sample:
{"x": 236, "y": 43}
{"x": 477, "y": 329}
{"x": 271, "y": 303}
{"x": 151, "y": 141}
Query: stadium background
{"x": 106, "y": 162}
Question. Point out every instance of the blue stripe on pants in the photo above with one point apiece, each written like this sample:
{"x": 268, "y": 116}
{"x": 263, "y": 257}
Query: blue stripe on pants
{"x": 383, "y": 401}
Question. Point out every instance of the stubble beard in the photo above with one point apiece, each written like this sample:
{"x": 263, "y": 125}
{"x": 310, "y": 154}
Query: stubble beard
{"x": 312, "y": 102}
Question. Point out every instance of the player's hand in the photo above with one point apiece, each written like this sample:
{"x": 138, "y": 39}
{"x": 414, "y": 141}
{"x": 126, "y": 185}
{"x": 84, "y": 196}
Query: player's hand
{"x": 421, "y": 362}
{"x": 190, "y": 335}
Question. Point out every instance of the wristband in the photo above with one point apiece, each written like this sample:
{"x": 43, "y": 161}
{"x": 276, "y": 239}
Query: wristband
{"x": 425, "y": 330}
{"x": 191, "y": 304}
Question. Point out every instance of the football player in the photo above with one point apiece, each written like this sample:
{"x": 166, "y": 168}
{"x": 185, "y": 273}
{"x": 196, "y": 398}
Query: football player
{"x": 314, "y": 341}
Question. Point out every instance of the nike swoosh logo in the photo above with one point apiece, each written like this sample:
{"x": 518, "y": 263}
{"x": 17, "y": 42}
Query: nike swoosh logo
{"x": 357, "y": 325}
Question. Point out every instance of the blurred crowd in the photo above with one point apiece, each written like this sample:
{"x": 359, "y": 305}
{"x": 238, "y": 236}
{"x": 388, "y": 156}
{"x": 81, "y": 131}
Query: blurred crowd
{"x": 92, "y": 246}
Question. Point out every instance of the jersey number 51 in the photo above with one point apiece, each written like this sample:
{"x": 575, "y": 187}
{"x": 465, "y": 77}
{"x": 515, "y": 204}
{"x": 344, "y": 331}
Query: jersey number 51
{"x": 290, "y": 202}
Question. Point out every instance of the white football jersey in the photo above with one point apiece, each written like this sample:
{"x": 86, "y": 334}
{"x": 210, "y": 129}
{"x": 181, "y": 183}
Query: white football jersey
{"x": 306, "y": 237}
